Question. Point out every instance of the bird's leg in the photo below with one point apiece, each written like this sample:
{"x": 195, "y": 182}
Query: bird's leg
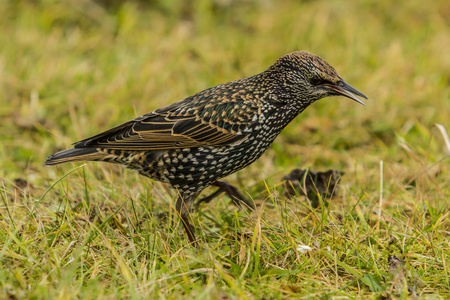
{"x": 189, "y": 230}
{"x": 209, "y": 198}
{"x": 183, "y": 208}
{"x": 232, "y": 192}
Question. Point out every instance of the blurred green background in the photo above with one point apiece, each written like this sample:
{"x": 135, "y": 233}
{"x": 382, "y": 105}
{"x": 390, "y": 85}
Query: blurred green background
{"x": 70, "y": 69}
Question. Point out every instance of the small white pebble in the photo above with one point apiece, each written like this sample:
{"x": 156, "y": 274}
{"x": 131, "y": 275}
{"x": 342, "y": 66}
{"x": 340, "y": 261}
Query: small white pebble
{"x": 303, "y": 248}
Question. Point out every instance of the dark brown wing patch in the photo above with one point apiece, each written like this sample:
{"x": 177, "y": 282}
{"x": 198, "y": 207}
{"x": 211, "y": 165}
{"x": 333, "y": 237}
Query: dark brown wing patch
{"x": 184, "y": 125}
{"x": 204, "y": 133}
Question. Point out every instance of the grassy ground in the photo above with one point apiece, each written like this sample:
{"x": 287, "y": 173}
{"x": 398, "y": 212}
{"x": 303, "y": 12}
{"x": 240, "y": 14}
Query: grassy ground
{"x": 70, "y": 69}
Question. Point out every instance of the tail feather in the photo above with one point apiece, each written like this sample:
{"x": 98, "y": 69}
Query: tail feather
{"x": 74, "y": 154}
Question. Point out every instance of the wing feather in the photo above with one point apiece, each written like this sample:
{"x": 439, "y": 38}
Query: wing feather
{"x": 194, "y": 122}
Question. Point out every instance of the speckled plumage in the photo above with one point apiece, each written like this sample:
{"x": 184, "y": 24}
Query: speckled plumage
{"x": 193, "y": 143}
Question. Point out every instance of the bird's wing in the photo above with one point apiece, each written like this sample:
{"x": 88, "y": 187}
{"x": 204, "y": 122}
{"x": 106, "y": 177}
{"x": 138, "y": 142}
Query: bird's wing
{"x": 188, "y": 123}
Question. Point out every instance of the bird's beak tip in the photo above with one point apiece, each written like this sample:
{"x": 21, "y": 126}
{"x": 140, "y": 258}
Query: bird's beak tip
{"x": 348, "y": 91}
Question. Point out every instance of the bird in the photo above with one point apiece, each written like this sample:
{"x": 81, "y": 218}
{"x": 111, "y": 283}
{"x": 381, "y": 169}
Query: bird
{"x": 193, "y": 143}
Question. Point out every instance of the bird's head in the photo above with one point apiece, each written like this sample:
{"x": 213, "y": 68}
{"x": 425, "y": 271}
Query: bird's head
{"x": 311, "y": 78}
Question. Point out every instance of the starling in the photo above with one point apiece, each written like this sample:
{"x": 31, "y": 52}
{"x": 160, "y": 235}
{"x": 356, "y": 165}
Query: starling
{"x": 193, "y": 143}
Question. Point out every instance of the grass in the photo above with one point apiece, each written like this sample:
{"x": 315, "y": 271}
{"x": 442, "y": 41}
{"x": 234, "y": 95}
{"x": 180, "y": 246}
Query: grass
{"x": 96, "y": 231}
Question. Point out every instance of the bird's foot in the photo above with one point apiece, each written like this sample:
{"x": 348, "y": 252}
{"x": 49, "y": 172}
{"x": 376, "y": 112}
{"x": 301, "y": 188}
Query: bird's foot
{"x": 232, "y": 191}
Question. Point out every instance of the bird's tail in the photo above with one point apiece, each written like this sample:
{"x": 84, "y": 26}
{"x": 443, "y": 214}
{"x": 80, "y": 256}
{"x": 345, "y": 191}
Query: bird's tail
{"x": 74, "y": 154}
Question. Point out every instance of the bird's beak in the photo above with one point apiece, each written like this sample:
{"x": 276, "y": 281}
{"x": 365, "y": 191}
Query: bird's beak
{"x": 345, "y": 89}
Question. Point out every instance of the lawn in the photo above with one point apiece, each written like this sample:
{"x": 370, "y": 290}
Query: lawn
{"x": 70, "y": 69}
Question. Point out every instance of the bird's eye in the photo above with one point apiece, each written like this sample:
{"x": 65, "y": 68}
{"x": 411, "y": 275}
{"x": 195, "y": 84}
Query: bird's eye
{"x": 315, "y": 81}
